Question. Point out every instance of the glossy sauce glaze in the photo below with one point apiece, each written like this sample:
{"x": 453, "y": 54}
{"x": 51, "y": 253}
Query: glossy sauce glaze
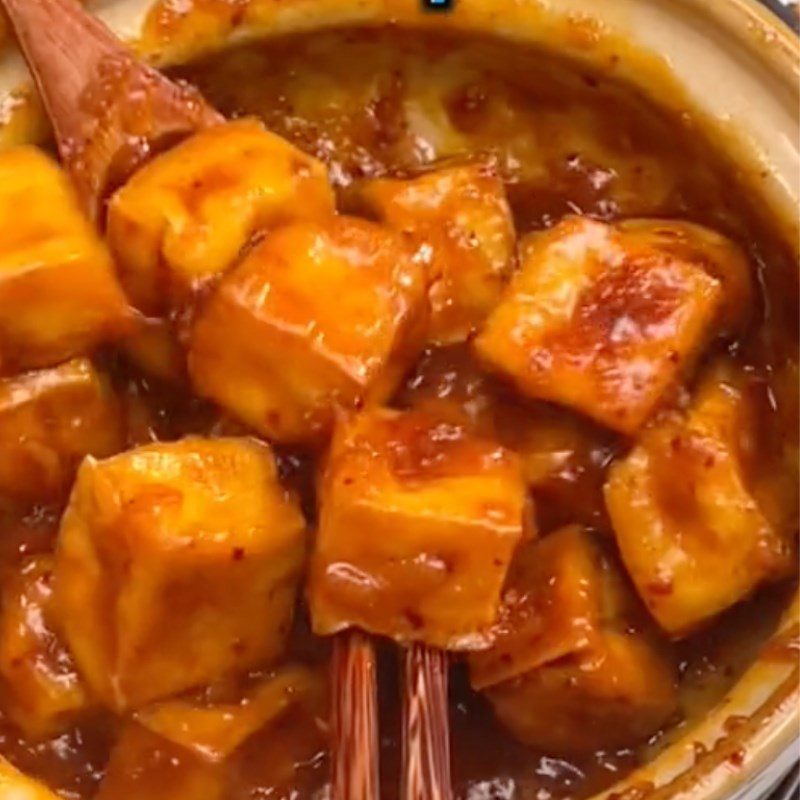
{"x": 564, "y": 141}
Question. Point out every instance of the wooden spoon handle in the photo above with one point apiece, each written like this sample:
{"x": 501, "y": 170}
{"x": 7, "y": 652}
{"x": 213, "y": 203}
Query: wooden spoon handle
{"x": 354, "y": 719}
{"x": 426, "y": 726}
{"x": 109, "y": 110}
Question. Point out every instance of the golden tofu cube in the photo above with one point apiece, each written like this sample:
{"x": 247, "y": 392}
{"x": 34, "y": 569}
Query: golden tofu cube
{"x": 691, "y": 534}
{"x": 461, "y": 222}
{"x": 59, "y": 296}
{"x": 176, "y": 564}
{"x": 599, "y": 322}
{"x": 50, "y": 420}
{"x": 43, "y": 692}
{"x": 418, "y": 523}
{"x": 616, "y": 694}
{"x": 213, "y": 730}
{"x": 183, "y": 218}
{"x": 553, "y": 606}
{"x": 318, "y": 315}
{"x": 144, "y": 766}
{"x": 717, "y": 255}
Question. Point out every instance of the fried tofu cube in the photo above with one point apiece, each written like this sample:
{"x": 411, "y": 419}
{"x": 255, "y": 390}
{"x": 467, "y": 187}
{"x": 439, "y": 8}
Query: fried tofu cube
{"x": 615, "y": 694}
{"x": 49, "y": 420}
{"x": 717, "y": 255}
{"x": 59, "y": 296}
{"x": 43, "y": 692}
{"x": 553, "y": 606}
{"x": 599, "y": 322}
{"x": 318, "y": 315}
{"x": 691, "y": 534}
{"x": 214, "y": 730}
{"x": 144, "y": 765}
{"x": 176, "y": 564}
{"x": 461, "y": 222}
{"x": 183, "y": 218}
{"x": 418, "y": 523}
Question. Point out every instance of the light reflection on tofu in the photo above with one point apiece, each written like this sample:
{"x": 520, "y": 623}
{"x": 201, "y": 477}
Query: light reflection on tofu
{"x": 176, "y": 564}
{"x": 553, "y": 606}
{"x": 689, "y": 529}
{"x": 600, "y": 322}
{"x": 418, "y": 524}
{"x": 615, "y": 694}
{"x": 50, "y": 420}
{"x": 183, "y": 218}
{"x": 717, "y": 255}
{"x": 318, "y": 315}
{"x": 461, "y": 223}
{"x": 59, "y": 296}
{"x": 144, "y": 766}
{"x": 42, "y": 690}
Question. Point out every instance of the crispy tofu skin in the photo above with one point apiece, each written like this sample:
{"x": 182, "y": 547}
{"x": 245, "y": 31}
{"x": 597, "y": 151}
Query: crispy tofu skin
{"x": 718, "y": 256}
{"x": 213, "y": 730}
{"x": 318, "y": 315}
{"x": 49, "y": 420}
{"x": 418, "y": 523}
{"x": 42, "y": 690}
{"x": 599, "y": 322}
{"x": 144, "y": 766}
{"x": 461, "y": 223}
{"x": 59, "y": 296}
{"x": 184, "y": 217}
{"x": 553, "y": 605}
{"x": 613, "y": 695}
{"x": 691, "y": 534}
{"x": 176, "y": 564}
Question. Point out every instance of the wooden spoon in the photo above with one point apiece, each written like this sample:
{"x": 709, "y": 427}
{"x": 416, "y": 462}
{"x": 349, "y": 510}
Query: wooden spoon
{"x": 110, "y": 111}
{"x": 354, "y": 718}
{"x": 426, "y": 728}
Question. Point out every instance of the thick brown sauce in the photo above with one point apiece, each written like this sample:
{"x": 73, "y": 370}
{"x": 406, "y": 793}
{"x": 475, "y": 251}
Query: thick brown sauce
{"x": 565, "y": 141}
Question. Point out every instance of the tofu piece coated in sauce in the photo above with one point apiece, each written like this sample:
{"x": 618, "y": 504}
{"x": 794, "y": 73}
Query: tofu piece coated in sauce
{"x": 214, "y": 728}
{"x": 615, "y": 694}
{"x": 692, "y": 536}
{"x": 59, "y": 295}
{"x": 575, "y": 665}
{"x": 318, "y": 316}
{"x": 418, "y": 523}
{"x": 184, "y": 217}
{"x": 459, "y": 219}
{"x": 176, "y": 564}
{"x": 49, "y": 420}
{"x": 716, "y": 254}
{"x": 554, "y": 603}
{"x": 598, "y": 321}
{"x": 42, "y": 689}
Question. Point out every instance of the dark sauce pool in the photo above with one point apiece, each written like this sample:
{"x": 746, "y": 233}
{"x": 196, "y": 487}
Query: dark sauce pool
{"x": 388, "y": 102}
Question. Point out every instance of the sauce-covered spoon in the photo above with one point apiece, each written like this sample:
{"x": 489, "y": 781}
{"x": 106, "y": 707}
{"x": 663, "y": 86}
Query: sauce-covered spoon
{"x": 109, "y": 110}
